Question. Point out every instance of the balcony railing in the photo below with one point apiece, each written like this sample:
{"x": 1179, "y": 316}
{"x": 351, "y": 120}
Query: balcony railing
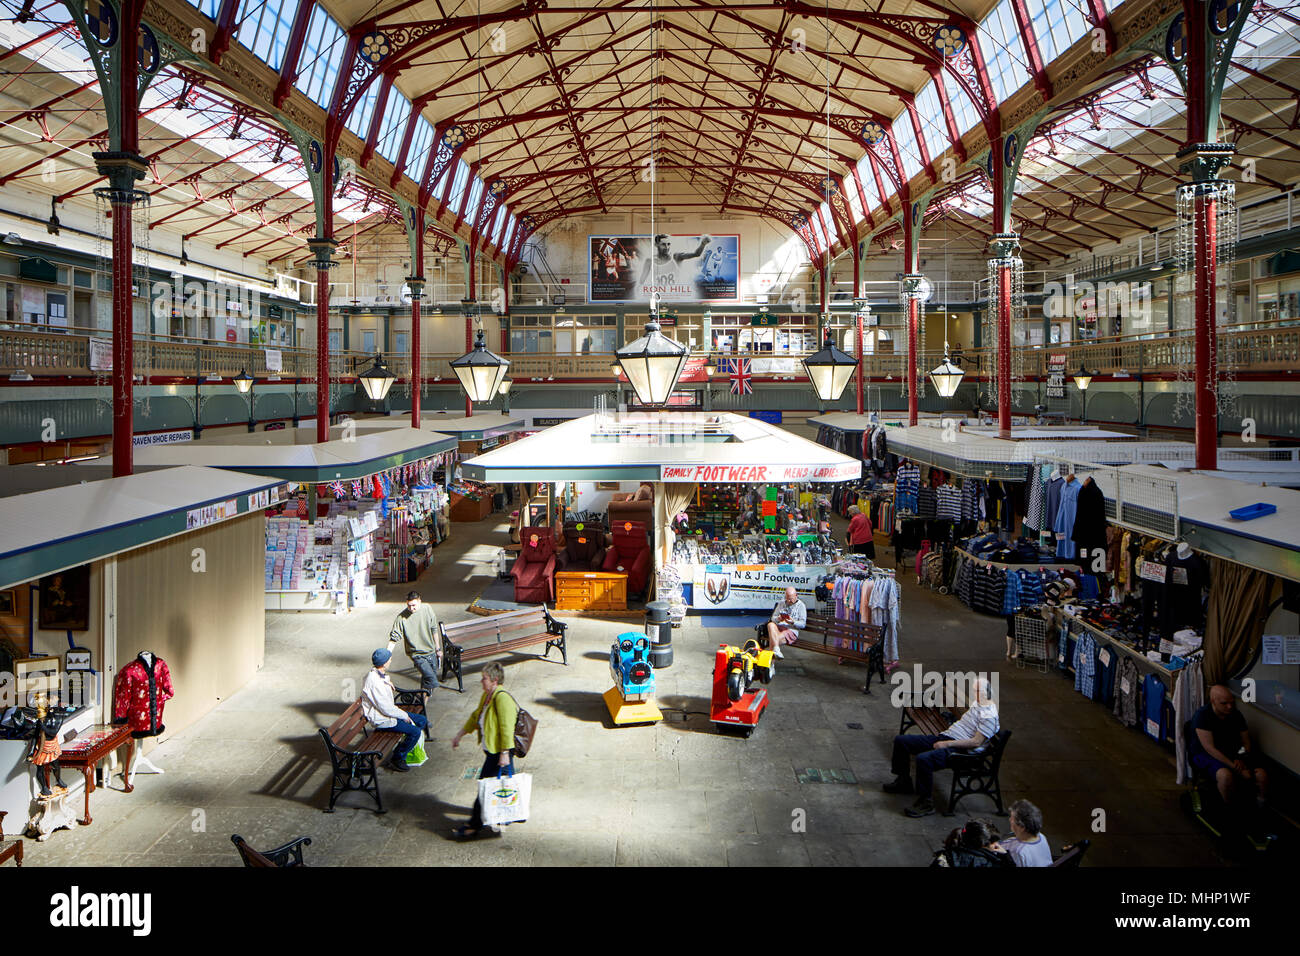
{"x": 1273, "y": 348}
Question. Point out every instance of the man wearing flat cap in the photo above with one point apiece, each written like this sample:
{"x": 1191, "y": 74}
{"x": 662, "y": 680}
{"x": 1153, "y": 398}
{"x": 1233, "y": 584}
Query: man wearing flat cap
{"x": 381, "y": 710}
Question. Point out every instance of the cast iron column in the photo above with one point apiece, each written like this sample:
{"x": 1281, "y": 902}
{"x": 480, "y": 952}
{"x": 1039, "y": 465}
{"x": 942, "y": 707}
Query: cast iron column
{"x": 417, "y": 293}
{"x": 911, "y": 294}
{"x": 1006, "y": 250}
{"x": 122, "y": 169}
{"x": 323, "y": 250}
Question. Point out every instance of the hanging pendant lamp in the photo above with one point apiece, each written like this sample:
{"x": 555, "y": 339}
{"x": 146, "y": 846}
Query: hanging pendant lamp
{"x": 946, "y": 376}
{"x": 653, "y": 363}
{"x": 480, "y": 371}
{"x": 829, "y": 370}
{"x": 377, "y": 379}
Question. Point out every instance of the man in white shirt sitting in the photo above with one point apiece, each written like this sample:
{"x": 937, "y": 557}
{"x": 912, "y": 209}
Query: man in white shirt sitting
{"x": 973, "y": 730}
{"x": 1029, "y": 846}
{"x": 789, "y": 617}
{"x": 381, "y": 710}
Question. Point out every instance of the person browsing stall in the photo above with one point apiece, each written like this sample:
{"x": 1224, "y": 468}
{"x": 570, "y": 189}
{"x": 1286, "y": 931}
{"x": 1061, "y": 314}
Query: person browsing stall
{"x": 973, "y": 730}
{"x": 379, "y": 707}
{"x": 417, "y": 628}
{"x": 494, "y": 721}
{"x": 861, "y": 540}
{"x": 789, "y": 617}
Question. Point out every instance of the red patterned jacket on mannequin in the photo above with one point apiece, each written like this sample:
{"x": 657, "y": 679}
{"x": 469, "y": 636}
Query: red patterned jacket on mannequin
{"x": 141, "y": 689}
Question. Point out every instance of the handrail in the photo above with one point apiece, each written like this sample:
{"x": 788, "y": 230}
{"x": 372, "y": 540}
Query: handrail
{"x": 1274, "y": 347}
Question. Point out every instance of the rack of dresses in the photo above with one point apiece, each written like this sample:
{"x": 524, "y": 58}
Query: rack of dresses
{"x": 865, "y": 593}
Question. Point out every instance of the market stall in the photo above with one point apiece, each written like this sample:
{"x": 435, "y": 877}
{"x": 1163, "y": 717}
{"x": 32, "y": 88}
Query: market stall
{"x": 99, "y": 578}
{"x": 1143, "y": 585}
{"x": 365, "y": 506}
{"x": 689, "y": 461}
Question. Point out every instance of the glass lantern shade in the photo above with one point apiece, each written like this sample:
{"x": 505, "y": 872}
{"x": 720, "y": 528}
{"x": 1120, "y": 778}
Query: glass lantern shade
{"x": 652, "y": 364}
{"x": 377, "y": 379}
{"x": 829, "y": 370}
{"x": 946, "y": 377}
{"x": 480, "y": 371}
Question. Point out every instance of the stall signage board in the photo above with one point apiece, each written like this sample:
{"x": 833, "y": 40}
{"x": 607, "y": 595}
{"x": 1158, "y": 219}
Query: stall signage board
{"x": 764, "y": 320}
{"x": 211, "y": 514}
{"x": 101, "y": 354}
{"x": 764, "y": 415}
{"x": 756, "y": 474}
{"x": 1153, "y": 571}
{"x": 731, "y": 587}
{"x": 163, "y": 438}
{"x": 1056, "y": 375}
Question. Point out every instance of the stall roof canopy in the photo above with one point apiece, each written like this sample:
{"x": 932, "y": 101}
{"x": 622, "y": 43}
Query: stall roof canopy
{"x": 972, "y": 453}
{"x": 473, "y": 427}
{"x": 853, "y": 422}
{"x": 686, "y": 446}
{"x": 367, "y": 452}
{"x": 1203, "y": 502}
{"x": 48, "y": 531}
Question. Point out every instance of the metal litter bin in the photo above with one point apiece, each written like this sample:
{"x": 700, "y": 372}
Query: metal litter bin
{"x": 659, "y": 629}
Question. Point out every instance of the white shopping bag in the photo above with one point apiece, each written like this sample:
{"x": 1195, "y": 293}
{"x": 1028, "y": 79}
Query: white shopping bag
{"x": 505, "y": 799}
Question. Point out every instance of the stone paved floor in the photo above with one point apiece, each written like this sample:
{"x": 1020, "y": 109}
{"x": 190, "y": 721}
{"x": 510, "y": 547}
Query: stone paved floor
{"x": 674, "y": 794}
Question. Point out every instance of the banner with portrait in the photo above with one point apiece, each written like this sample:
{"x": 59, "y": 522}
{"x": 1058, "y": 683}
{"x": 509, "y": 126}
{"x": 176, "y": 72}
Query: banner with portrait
{"x": 679, "y": 268}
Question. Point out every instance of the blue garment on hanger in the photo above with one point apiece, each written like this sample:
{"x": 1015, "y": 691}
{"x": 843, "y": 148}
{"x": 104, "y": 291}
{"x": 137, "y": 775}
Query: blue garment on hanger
{"x": 1064, "y": 525}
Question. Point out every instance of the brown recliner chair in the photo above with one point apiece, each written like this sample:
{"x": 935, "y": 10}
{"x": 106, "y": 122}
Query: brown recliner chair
{"x": 628, "y": 506}
{"x": 534, "y": 569}
{"x": 584, "y": 550}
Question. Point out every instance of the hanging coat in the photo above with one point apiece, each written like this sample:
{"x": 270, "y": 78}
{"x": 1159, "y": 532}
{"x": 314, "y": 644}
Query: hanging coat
{"x": 139, "y": 692}
{"x": 1089, "y": 533}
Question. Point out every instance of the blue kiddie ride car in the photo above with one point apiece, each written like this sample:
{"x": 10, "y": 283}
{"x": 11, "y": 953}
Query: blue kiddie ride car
{"x": 629, "y": 662}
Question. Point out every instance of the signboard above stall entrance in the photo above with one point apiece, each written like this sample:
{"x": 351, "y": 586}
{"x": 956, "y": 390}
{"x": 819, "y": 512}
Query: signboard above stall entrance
{"x": 679, "y": 268}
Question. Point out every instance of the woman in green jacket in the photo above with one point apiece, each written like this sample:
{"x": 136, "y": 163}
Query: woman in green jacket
{"x": 494, "y": 720}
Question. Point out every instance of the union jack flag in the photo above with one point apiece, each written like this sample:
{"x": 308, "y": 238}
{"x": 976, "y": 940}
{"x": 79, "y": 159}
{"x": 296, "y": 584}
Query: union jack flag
{"x": 740, "y": 374}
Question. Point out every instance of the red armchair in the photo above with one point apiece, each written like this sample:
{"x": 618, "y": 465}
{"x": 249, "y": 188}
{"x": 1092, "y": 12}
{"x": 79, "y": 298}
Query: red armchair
{"x": 534, "y": 569}
{"x": 630, "y": 555}
{"x": 583, "y": 550}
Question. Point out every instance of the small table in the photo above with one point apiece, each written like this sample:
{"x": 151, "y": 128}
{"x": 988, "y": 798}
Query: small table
{"x": 590, "y": 591}
{"x": 84, "y": 751}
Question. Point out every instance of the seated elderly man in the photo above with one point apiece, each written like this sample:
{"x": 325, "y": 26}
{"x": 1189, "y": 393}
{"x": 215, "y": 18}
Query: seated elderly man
{"x": 1221, "y": 746}
{"x": 973, "y": 730}
{"x": 789, "y": 617}
{"x": 1028, "y": 846}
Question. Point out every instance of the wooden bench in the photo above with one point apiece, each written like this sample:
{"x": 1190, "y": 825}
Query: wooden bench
{"x": 483, "y": 637}
{"x": 928, "y": 720}
{"x": 356, "y": 751}
{"x": 833, "y": 636}
{"x": 282, "y": 856}
{"x": 1072, "y": 855}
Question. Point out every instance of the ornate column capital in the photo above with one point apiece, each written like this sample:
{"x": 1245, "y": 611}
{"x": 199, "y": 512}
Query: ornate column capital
{"x": 122, "y": 170}
{"x": 1204, "y": 160}
{"x": 323, "y": 251}
{"x": 1005, "y": 245}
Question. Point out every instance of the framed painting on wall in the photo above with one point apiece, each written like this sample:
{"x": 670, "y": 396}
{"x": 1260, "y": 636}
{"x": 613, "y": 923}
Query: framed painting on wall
{"x": 65, "y": 600}
{"x": 36, "y": 675}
